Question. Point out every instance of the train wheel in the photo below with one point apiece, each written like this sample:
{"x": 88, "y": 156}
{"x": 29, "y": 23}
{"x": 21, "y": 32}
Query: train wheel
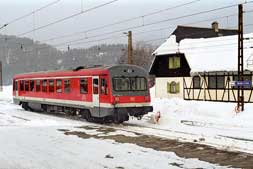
{"x": 139, "y": 117}
{"x": 117, "y": 118}
{"x": 25, "y": 106}
{"x": 44, "y": 107}
{"x": 89, "y": 117}
{"x": 86, "y": 115}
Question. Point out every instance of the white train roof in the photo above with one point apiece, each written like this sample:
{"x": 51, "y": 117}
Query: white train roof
{"x": 210, "y": 54}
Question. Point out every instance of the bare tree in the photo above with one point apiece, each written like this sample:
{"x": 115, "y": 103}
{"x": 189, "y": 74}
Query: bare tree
{"x": 142, "y": 54}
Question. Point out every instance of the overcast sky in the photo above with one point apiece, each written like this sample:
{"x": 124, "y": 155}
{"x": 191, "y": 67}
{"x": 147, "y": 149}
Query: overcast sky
{"x": 117, "y": 11}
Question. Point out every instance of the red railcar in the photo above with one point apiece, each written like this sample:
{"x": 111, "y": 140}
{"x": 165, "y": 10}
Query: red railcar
{"x": 108, "y": 93}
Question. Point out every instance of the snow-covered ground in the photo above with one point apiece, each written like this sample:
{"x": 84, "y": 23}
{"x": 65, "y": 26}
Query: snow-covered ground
{"x": 211, "y": 123}
{"x": 30, "y": 140}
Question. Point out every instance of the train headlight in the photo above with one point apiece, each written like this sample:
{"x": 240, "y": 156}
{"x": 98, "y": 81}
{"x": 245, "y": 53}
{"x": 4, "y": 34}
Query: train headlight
{"x": 147, "y": 98}
{"x": 117, "y": 99}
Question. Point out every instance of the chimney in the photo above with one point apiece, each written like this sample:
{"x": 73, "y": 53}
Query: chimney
{"x": 215, "y": 26}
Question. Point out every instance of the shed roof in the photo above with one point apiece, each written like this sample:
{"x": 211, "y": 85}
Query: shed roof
{"x": 210, "y": 54}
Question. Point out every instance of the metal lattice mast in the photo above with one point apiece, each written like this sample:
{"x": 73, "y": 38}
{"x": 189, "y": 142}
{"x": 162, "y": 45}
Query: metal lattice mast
{"x": 240, "y": 92}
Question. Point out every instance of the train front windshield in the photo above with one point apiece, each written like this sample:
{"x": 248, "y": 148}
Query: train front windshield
{"x": 129, "y": 84}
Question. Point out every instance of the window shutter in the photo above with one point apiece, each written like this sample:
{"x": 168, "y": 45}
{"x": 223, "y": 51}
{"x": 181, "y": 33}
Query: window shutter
{"x": 168, "y": 87}
{"x": 171, "y": 63}
{"x": 178, "y": 88}
{"x": 177, "y": 62}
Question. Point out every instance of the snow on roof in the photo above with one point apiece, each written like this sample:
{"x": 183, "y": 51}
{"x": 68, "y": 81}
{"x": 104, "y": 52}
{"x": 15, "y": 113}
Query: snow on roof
{"x": 210, "y": 54}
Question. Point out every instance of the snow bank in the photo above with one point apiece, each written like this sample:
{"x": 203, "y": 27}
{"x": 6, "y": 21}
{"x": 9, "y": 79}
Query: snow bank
{"x": 6, "y": 94}
{"x": 210, "y": 123}
{"x": 27, "y": 134}
{"x": 176, "y": 109}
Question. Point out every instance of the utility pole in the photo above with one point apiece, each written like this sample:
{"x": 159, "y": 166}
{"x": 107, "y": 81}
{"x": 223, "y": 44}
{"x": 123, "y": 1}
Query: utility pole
{"x": 130, "y": 48}
{"x": 240, "y": 89}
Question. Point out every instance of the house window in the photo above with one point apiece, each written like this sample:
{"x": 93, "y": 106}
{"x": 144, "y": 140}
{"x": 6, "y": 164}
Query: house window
{"x": 58, "y": 85}
{"x": 51, "y": 86}
{"x": 196, "y": 82}
{"x": 212, "y": 82}
{"x": 174, "y": 62}
{"x": 66, "y": 86}
{"x": 220, "y": 82}
{"x": 32, "y": 85}
{"x": 37, "y": 85}
{"x": 173, "y": 87}
{"x": 216, "y": 82}
{"x": 104, "y": 87}
{"x": 83, "y": 86}
{"x": 44, "y": 86}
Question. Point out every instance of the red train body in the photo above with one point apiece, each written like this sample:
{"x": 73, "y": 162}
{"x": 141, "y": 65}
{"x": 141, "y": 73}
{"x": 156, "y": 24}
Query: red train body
{"x": 109, "y": 93}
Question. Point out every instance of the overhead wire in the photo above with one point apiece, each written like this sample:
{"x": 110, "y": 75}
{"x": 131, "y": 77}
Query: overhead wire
{"x": 60, "y": 20}
{"x": 208, "y": 46}
{"x": 78, "y": 43}
{"x": 120, "y": 22}
{"x": 66, "y": 18}
{"x": 133, "y": 18}
{"x": 161, "y": 38}
{"x": 137, "y": 33}
{"x": 132, "y": 28}
{"x": 166, "y": 20}
{"x": 31, "y": 13}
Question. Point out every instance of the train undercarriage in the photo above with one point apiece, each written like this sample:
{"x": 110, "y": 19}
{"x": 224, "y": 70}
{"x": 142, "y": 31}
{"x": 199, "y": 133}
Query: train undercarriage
{"x": 116, "y": 115}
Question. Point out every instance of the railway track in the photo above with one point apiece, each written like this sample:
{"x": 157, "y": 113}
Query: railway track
{"x": 157, "y": 139}
{"x": 181, "y": 136}
{"x": 160, "y": 139}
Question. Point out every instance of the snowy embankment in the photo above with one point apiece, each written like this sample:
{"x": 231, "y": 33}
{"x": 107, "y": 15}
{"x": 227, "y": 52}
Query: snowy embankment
{"x": 31, "y": 140}
{"x": 211, "y": 123}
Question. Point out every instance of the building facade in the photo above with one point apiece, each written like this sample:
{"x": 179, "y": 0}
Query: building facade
{"x": 203, "y": 69}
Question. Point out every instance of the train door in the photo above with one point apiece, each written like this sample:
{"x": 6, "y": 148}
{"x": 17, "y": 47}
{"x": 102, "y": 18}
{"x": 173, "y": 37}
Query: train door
{"x": 95, "y": 91}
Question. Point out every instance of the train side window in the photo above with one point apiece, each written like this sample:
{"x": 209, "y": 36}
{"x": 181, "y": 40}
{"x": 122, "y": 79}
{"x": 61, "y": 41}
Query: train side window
{"x": 32, "y": 85}
{"x": 37, "y": 85}
{"x": 59, "y": 86}
{"x": 66, "y": 86}
{"x": 16, "y": 85}
{"x": 104, "y": 87}
{"x": 26, "y": 85}
{"x": 95, "y": 86}
{"x": 44, "y": 86}
{"x": 51, "y": 86}
{"x": 84, "y": 86}
{"x": 21, "y": 85}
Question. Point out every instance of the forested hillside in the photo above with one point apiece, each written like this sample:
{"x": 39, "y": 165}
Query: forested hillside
{"x": 19, "y": 55}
